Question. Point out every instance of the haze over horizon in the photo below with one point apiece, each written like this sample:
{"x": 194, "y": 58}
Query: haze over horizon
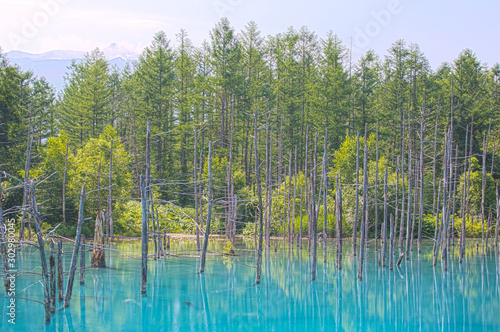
{"x": 441, "y": 29}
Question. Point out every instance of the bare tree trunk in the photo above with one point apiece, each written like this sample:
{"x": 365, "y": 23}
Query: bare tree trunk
{"x": 338, "y": 218}
{"x": 52, "y": 263}
{"x": 99, "y": 197}
{"x": 364, "y": 222}
{"x": 110, "y": 194}
{"x": 397, "y": 201}
{"x": 27, "y": 166}
{"x": 391, "y": 243}
{"x": 153, "y": 224}
{"x": 280, "y": 154}
{"x": 64, "y": 183}
{"x": 144, "y": 244}
{"x": 402, "y": 219}
{"x": 149, "y": 194}
{"x": 74, "y": 257}
{"x": 498, "y": 219}
{"x": 355, "y": 226}
{"x": 82, "y": 260}
{"x": 384, "y": 227}
{"x": 195, "y": 175}
{"x": 434, "y": 206}
{"x": 60, "y": 290}
{"x": 442, "y": 233}
{"x": 454, "y": 182}
{"x": 325, "y": 194}
{"x": 464, "y": 198}
{"x": 294, "y": 193}
{"x": 408, "y": 222}
{"x": 270, "y": 184}
{"x": 268, "y": 193}
{"x": 483, "y": 193}
{"x": 41, "y": 249}
{"x": 493, "y": 155}
{"x": 289, "y": 194}
{"x": 300, "y": 229}
{"x": 376, "y": 192}
{"x": 306, "y": 188}
{"x": 421, "y": 210}
{"x": 209, "y": 213}
{"x": 436, "y": 229}
{"x": 259, "y": 194}
{"x": 488, "y": 227}
{"x": 230, "y": 182}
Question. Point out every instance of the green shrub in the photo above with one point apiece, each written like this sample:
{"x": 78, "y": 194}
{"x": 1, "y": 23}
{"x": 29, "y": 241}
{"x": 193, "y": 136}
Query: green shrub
{"x": 473, "y": 226}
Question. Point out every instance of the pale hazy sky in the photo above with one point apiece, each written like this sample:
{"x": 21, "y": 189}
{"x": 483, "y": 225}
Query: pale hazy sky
{"x": 442, "y": 28}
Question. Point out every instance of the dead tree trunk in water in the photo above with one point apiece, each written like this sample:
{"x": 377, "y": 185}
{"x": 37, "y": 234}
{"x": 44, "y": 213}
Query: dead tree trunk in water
{"x": 259, "y": 193}
{"x": 52, "y": 263}
{"x": 391, "y": 242}
{"x": 74, "y": 257}
{"x": 267, "y": 216}
{"x": 98, "y": 257}
{"x": 355, "y": 226}
{"x": 313, "y": 217}
{"x": 408, "y": 221}
{"x": 384, "y": 227}
{"x": 364, "y": 222}
{"x": 231, "y": 222}
{"x": 402, "y": 219}
{"x": 41, "y": 243}
{"x": 464, "y": 217}
{"x": 144, "y": 244}
{"x": 434, "y": 206}
{"x": 82, "y": 260}
{"x": 338, "y": 218}
{"x": 294, "y": 192}
{"x": 325, "y": 192}
{"x": 421, "y": 210}
{"x": 110, "y": 197}
{"x": 60, "y": 290}
{"x": 436, "y": 229}
{"x": 306, "y": 188}
{"x": 270, "y": 184}
{"x": 498, "y": 220}
{"x": 27, "y": 166}
{"x": 64, "y": 183}
{"x": 483, "y": 192}
{"x": 376, "y": 191}
{"x": 289, "y": 198}
{"x": 209, "y": 213}
{"x": 195, "y": 174}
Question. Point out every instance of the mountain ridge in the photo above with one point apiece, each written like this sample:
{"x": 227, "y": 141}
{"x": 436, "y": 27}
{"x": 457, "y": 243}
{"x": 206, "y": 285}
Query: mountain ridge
{"x": 53, "y": 64}
{"x": 113, "y": 51}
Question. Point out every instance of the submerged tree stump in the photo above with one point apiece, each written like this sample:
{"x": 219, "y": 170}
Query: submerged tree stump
{"x": 98, "y": 257}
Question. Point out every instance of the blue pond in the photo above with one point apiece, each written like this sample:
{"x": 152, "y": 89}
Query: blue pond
{"x": 413, "y": 297}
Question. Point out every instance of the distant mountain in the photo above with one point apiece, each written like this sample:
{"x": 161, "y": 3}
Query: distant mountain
{"x": 50, "y": 55}
{"x": 53, "y": 64}
{"x": 114, "y": 51}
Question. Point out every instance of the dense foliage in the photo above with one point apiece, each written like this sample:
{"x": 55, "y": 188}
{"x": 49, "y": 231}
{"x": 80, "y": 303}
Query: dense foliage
{"x": 300, "y": 85}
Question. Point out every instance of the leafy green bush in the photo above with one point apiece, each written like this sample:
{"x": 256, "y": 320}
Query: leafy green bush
{"x": 173, "y": 219}
{"x": 473, "y": 226}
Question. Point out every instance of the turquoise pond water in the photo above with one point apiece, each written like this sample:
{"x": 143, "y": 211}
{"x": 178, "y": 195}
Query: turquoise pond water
{"x": 413, "y": 297}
